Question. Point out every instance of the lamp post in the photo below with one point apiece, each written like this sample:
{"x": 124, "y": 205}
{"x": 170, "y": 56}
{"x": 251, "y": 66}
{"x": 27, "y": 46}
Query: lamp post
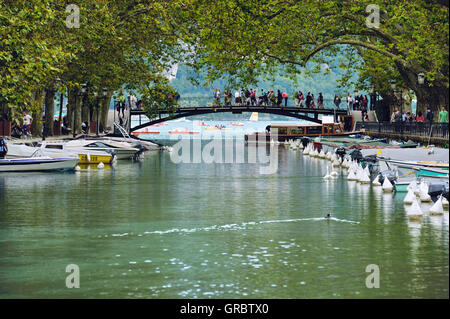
{"x": 83, "y": 91}
{"x": 421, "y": 82}
{"x": 393, "y": 87}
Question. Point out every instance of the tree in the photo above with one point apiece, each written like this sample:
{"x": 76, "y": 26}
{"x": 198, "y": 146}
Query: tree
{"x": 244, "y": 39}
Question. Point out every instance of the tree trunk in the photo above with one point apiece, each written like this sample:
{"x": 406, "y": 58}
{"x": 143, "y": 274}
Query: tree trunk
{"x": 105, "y": 110}
{"x": 78, "y": 112}
{"x": 36, "y": 124}
{"x": 85, "y": 110}
{"x": 74, "y": 110}
{"x": 49, "y": 111}
{"x": 71, "y": 93}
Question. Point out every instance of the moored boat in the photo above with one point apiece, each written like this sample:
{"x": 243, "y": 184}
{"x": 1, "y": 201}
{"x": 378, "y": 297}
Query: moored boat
{"x": 85, "y": 156}
{"x": 37, "y": 164}
{"x": 289, "y": 131}
{"x": 121, "y": 150}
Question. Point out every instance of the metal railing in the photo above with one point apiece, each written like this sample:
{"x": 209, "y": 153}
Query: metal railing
{"x": 426, "y": 129}
{"x": 210, "y": 101}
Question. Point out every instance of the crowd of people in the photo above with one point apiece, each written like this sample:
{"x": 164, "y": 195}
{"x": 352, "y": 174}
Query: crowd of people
{"x": 406, "y": 119}
{"x": 253, "y": 97}
{"x": 409, "y": 117}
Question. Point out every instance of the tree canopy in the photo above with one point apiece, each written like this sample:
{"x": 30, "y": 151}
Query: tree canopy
{"x": 128, "y": 44}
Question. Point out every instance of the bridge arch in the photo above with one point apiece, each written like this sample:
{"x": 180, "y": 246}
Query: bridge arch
{"x": 299, "y": 113}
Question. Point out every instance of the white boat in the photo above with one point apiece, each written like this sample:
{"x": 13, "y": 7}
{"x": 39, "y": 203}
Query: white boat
{"x": 59, "y": 150}
{"x": 120, "y": 149}
{"x": 37, "y": 164}
{"x": 128, "y": 141}
{"x": 85, "y": 156}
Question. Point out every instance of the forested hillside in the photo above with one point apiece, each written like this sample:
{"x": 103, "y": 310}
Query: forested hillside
{"x": 325, "y": 82}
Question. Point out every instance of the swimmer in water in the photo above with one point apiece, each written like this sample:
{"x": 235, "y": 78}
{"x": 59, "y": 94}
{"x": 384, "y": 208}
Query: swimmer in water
{"x": 328, "y": 215}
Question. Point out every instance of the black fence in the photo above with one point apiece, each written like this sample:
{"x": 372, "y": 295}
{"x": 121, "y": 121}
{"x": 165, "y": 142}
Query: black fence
{"x": 406, "y": 128}
{"x": 210, "y": 101}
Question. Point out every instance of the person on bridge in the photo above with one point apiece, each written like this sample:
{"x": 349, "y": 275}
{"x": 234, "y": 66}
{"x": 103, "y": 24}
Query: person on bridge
{"x": 302, "y": 100}
{"x": 320, "y": 101}
{"x": 279, "y": 98}
{"x": 262, "y": 97}
{"x": 308, "y": 100}
{"x": 285, "y": 97}
{"x": 297, "y": 98}
{"x": 350, "y": 102}
{"x": 313, "y": 103}
{"x": 237, "y": 98}
{"x": 228, "y": 97}
{"x": 253, "y": 97}
{"x": 337, "y": 101}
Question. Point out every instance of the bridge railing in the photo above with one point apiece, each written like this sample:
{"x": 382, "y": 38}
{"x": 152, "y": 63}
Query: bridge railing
{"x": 425, "y": 129}
{"x": 210, "y": 101}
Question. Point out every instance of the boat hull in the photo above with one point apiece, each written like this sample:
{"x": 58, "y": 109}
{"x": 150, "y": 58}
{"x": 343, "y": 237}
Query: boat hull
{"x": 95, "y": 159}
{"x": 37, "y": 164}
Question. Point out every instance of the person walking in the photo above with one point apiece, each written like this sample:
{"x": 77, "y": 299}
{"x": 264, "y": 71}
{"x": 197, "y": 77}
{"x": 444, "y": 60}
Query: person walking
{"x": 398, "y": 120}
{"x": 297, "y": 99}
{"x": 285, "y": 97}
{"x": 337, "y": 101}
{"x": 429, "y": 115}
{"x": 3, "y": 147}
{"x": 279, "y": 98}
{"x": 419, "y": 120}
{"x": 26, "y": 124}
{"x": 302, "y": 99}
{"x": 349, "y": 102}
{"x": 308, "y": 100}
{"x": 443, "y": 120}
{"x": 253, "y": 97}
{"x": 320, "y": 101}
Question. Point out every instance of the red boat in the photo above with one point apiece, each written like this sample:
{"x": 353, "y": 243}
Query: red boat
{"x": 139, "y": 133}
{"x": 182, "y": 131}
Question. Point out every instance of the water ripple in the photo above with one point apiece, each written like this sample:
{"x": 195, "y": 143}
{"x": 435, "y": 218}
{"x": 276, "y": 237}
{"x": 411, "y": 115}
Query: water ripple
{"x": 233, "y": 227}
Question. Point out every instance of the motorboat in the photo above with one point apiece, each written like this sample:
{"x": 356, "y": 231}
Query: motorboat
{"x": 59, "y": 150}
{"x": 85, "y": 156}
{"x": 128, "y": 141}
{"x": 120, "y": 149}
{"x": 43, "y": 163}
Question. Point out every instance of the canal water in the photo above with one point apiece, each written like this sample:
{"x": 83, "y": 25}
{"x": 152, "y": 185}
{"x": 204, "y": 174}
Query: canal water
{"x": 156, "y": 229}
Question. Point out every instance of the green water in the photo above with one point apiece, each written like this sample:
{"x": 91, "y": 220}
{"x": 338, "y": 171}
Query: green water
{"x": 156, "y": 229}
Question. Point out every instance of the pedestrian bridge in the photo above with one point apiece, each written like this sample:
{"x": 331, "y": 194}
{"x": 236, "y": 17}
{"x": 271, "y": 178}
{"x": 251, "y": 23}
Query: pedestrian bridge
{"x": 308, "y": 114}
